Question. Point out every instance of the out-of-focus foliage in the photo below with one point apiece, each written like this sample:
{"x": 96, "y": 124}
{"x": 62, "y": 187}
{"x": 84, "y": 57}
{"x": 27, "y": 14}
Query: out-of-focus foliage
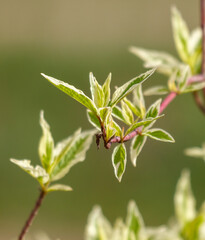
{"x": 189, "y": 224}
{"x": 196, "y": 152}
{"x": 189, "y": 49}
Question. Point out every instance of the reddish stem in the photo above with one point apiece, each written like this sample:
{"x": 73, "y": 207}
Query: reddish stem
{"x": 167, "y": 101}
{"x": 32, "y": 215}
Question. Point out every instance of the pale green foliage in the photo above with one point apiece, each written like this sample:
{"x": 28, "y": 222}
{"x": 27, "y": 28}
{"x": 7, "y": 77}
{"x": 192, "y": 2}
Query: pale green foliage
{"x": 184, "y": 200}
{"x": 101, "y": 111}
{"x": 136, "y": 147}
{"x": 37, "y": 172}
{"x": 189, "y": 48}
{"x": 159, "y": 134}
{"x": 119, "y": 160}
{"x": 196, "y": 152}
{"x": 57, "y": 160}
{"x": 46, "y": 144}
{"x": 73, "y": 92}
{"x": 188, "y": 224}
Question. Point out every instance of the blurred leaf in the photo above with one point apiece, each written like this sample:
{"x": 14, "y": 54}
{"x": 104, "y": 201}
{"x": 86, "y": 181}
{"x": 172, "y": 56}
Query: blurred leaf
{"x": 46, "y": 144}
{"x": 98, "y": 228}
{"x": 184, "y": 200}
{"x": 159, "y": 134}
{"x": 156, "y": 90}
{"x": 164, "y": 62}
{"x": 59, "y": 187}
{"x": 106, "y": 90}
{"x": 119, "y": 160}
{"x": 183, "y": 79}
{"x": 191, "y": 229}
{"x": 96, "y": 92}
{"x": 181, "y": 35}
{"x": 129, "y": 86}
{"x": 37, "y": 172}
{"x": 194, "y": 87}
{"x": 73, "y": 92}
{"x": 136, "y": 147}
{"x": 92, "y": 118}
{"x": 69, "y": 152}
{"x": 196, "y": 152}
{"x": 134, "y": 222}
{"x": 119, "y": 230}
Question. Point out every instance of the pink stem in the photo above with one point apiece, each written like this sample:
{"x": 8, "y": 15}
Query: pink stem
{"x": 167, "y": 101}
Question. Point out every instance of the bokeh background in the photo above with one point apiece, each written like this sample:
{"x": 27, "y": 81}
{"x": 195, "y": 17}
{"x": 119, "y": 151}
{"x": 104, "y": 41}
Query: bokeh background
{"x": 67, "y": 40}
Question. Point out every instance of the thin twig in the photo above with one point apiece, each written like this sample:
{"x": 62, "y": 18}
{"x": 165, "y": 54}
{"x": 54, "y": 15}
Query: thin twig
{"x": 32, "y": 215}
{"x": 167, "y": 101}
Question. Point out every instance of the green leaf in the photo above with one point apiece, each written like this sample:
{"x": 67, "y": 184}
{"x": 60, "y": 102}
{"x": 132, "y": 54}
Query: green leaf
{"x": 132, "y": 107}
{"x": 164, "y": 62}
{"x": 195, "y": 41}
{"x": 119, "y": 160}
{"x": 98, "y": 227}
{"x": 127, "y": 113}
{"x": 104, "y": 112}
{"x": 183, "y": 78}
{"x": 184, "y": 200}
{"x": 109, "y": 126}
{"x": 73, "y": 92}
{"x": 46, "y": 144}
{"x": 196, "y": 152}
{"x": 106, "y": 90}
{"x": 134, "y": 222}
{"x": 156, "y": 90}
{"x": 117, "y": 128}
{"x": 37, "y": 172}
{"x": 136, "y": 147}
{"x": 141, "y": 123}
{"x": 125, "y": 89}
{"x": 153, "y": 110}
{"x": 195, "y": 51}
{"x": 181, "y": 35}
{"x": 117, "y": 113}
{"x": 138, "y": 100}
{"x": 96, "y": 92}
{"x": 59, "y": 187}
{"x": 159, "y": 135}
{"x": 69, "y": 152}
{"x": 92, "y": 118}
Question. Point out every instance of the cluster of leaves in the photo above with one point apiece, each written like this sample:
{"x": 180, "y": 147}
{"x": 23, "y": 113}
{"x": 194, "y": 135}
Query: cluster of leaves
{"x": 103, "y": 112}
{"x": 188, "y": 224}
{"x": 56, "y": 160}
{"x": 189, "y": 49}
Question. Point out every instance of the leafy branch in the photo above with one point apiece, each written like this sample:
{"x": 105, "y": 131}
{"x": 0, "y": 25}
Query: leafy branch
{"x": 56, "y": 162}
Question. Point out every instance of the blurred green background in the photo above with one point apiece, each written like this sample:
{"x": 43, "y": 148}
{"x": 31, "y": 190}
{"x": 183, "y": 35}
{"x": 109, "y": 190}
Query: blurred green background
{"x": 67, "y": 40}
